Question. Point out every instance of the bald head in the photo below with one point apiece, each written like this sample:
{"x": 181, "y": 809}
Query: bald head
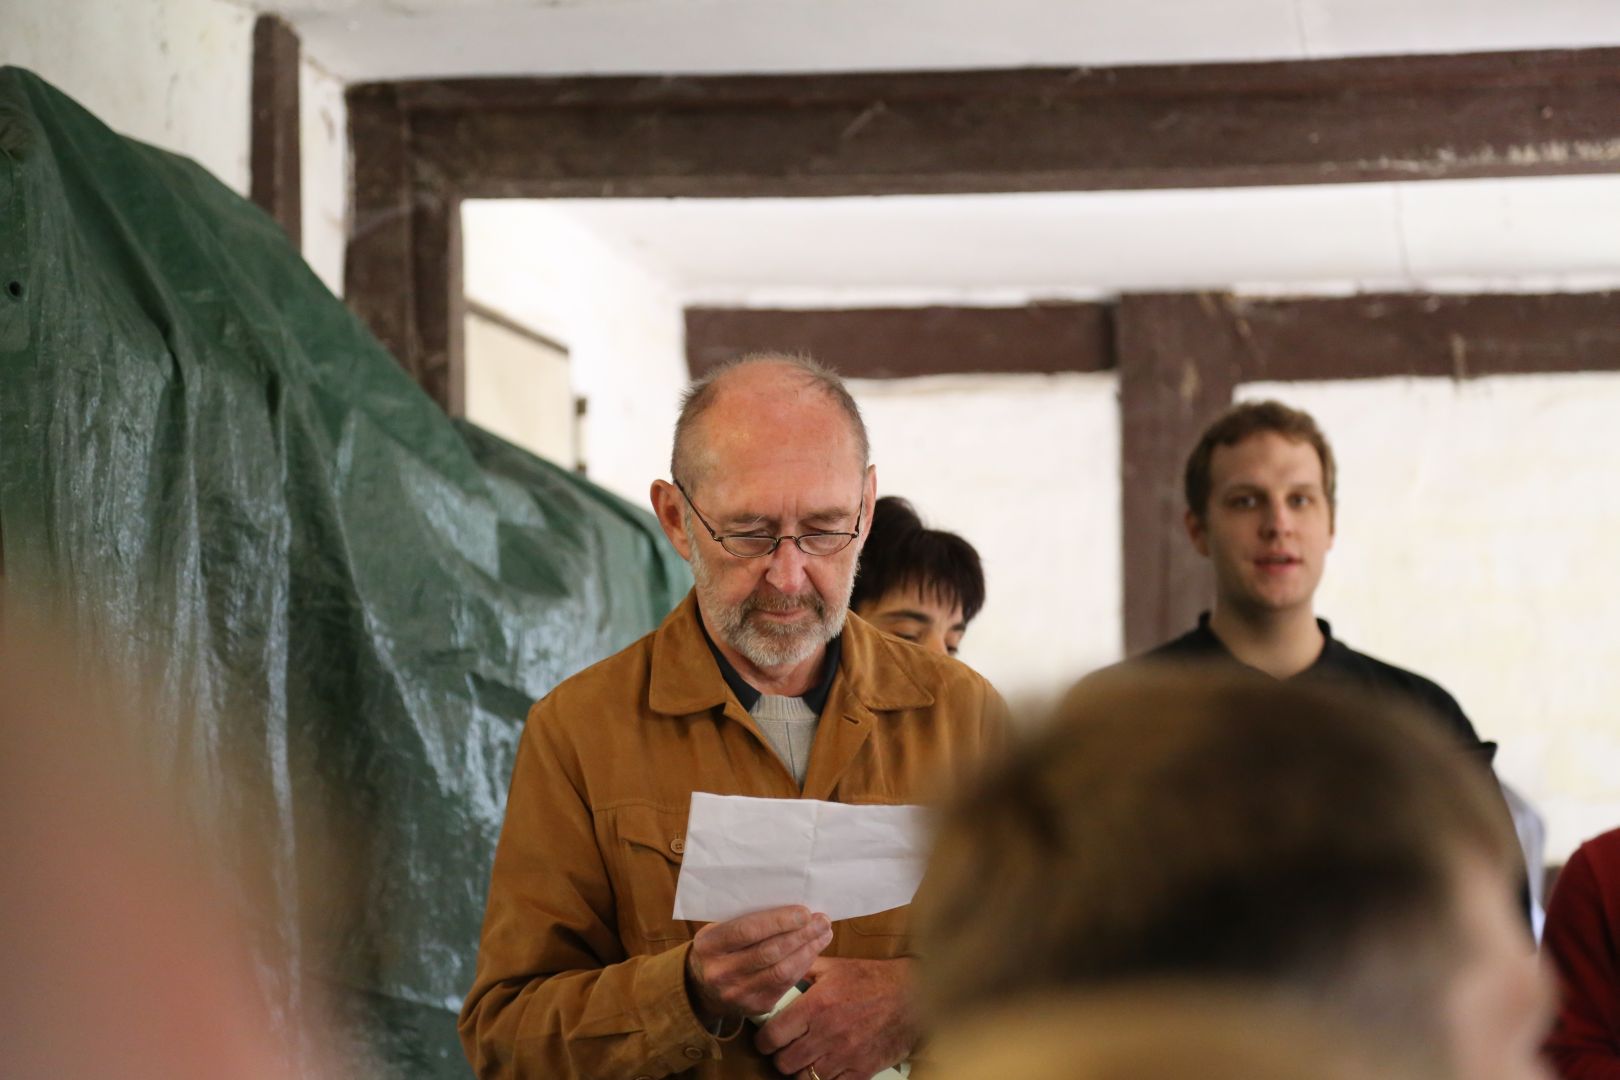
{"x": 754, "y": 398}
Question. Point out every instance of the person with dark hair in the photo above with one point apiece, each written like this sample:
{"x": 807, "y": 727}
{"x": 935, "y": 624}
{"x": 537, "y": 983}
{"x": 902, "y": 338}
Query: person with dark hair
{"x": 1206, "y": 828}
{"x": 917, "y": 583}
{"x": 1582, "y": 940}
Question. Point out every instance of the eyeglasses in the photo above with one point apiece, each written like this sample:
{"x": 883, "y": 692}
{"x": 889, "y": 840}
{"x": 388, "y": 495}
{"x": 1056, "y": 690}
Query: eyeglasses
{"x": 750, "y": 546}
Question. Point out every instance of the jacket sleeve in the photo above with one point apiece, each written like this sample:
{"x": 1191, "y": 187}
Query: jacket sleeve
{"x": 555, "y": 995}
{"x": 997, "y": 723}
{"x": 1581, "y": 942}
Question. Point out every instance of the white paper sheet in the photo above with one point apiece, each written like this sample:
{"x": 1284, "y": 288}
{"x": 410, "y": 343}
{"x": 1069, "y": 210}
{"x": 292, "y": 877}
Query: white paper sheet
{"x": 745, "y": 855}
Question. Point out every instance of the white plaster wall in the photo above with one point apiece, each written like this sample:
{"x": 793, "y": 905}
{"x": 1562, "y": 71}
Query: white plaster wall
{"x": 1476, "y": 545}
{"x": 174, "y": 73}
{"x": 623, "y": 328}
{"x": 1026, "y": 467}
{"x": 324, "y": 162}
{"x": 522, "y": 391}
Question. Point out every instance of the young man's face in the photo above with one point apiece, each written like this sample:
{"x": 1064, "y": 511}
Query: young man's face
{"x": 1267, "y": 528}
{"x": 918, "y": 614}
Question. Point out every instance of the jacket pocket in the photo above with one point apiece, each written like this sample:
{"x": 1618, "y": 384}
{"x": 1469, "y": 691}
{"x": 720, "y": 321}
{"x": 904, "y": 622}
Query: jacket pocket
{"x": 644, "y": 848}
{"x": 885, "y": 931}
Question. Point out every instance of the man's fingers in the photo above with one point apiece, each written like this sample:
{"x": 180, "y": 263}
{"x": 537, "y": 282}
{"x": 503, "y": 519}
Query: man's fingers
{"x": 783, "y": 1028}
{"x": 766, "y": 986}
{"x": 773, "y": 951}
{"x": 751, "y": 976}
{"x": 747, "y": 930}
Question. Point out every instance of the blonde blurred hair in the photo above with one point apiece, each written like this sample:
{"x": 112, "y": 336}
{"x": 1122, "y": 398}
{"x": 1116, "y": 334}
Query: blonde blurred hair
{"x": 1176, "y": 824}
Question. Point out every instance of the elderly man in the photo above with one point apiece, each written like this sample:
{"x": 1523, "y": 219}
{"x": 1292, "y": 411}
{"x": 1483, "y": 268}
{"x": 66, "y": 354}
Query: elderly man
{"x": 758, "y": 684}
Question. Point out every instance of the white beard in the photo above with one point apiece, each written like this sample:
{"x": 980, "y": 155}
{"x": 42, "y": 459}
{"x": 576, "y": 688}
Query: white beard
{"x": 768, "y": 644}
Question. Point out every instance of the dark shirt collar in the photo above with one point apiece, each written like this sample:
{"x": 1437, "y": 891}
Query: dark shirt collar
{"x": 748, "y": 696}
{"x": 1206, "y": 640}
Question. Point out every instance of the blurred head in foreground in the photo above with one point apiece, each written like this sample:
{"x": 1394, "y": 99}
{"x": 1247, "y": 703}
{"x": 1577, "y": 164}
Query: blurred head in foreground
{"x": 917, "y": 583}
{"x": 1234, "y": 830}
{"x": 1163, "y": 1033}
{"x": 120, "y": 950}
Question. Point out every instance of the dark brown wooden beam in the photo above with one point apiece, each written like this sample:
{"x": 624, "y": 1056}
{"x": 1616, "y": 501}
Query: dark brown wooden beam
{"x": 1400, "y": 334}
{"x": 1296, "y": 122}
{"x": 378, "y": 267}
{"x": 441, "y": 301}
{"x": 403, "y": 268}
{"x": 888, "y": 343}
{"x": 421, "y": 147}
{"x": 275, "y": 163}
{"x": 1180, "y": 357}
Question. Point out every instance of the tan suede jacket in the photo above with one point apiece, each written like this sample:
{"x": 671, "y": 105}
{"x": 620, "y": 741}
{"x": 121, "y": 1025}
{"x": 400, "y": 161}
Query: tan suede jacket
{"x": 581, "y": 966}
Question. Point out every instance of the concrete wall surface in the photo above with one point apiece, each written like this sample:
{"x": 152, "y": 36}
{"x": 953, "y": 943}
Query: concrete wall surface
{"x": 1026, "y": 467}
{"x": 622, "y": 327}
{"x": 324, "y": 160}
{"x": 174, "y": 73}
{"x": 179, "y": 74}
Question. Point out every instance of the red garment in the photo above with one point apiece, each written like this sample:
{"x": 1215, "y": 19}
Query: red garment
{"x": 1582, "y": 938}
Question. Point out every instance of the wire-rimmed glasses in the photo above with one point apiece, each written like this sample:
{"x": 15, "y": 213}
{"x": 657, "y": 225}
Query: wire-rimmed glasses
{"x": 755, "y": 546}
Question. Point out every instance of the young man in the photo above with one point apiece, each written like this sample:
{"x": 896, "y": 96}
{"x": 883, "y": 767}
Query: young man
{"x": 755, "y": 685}
{"x": 1260, "y": 489}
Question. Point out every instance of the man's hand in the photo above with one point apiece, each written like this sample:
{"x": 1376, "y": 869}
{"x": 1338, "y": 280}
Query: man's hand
{"x": 740, "y": 967}
{"x": 856, "y": 1020}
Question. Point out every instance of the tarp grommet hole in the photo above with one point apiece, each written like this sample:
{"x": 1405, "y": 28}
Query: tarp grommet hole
{"x": 15, "y": 289}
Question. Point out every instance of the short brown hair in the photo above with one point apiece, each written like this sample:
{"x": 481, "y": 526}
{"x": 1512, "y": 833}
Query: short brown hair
{"x": 1189, "y": 824}
{"x": 1253, "y": 418}
{"x": 1219, "y": 1033}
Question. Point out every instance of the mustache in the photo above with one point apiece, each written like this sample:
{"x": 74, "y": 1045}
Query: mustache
{"x": 763, "y": 600}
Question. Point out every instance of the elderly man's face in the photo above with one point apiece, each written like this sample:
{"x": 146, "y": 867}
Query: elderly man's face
{"x": 776, "y": 468}
{"x": 781, "y": 608}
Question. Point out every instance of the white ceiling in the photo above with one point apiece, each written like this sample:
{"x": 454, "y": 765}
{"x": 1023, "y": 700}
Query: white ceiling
{"x": 1545, "y": 233}
{"x": 360, "y": 40}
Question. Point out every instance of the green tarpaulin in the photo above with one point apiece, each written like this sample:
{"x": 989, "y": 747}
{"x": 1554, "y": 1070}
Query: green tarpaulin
{"x": 339, "y": 602}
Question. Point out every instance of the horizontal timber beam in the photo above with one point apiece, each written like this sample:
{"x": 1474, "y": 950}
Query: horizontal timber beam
{"x": 888, "y": 343}
{"x": 1069, "y": 129}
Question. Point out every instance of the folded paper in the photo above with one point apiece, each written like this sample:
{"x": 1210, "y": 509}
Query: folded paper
{"x": 744, "y": 855}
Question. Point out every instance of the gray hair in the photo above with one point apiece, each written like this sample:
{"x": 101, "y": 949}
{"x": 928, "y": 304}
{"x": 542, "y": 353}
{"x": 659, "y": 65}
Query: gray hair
{"x": 701, "y": 393}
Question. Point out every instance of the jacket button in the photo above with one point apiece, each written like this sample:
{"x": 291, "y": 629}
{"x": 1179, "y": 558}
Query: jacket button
{"x": 694, "y": 1053}
{"x": 677, "y": 845}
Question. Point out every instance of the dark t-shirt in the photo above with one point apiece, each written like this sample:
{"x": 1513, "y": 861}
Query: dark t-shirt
{"x": 1341, "y": 665}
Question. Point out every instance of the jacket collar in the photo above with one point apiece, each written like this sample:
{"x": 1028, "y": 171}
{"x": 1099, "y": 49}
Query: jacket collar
{"x": 872, "y": 673}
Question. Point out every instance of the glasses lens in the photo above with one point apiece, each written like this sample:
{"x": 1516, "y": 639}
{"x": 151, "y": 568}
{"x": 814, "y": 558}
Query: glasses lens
{"x": 825, "y": 543}
{"x": 749, "y": 547}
